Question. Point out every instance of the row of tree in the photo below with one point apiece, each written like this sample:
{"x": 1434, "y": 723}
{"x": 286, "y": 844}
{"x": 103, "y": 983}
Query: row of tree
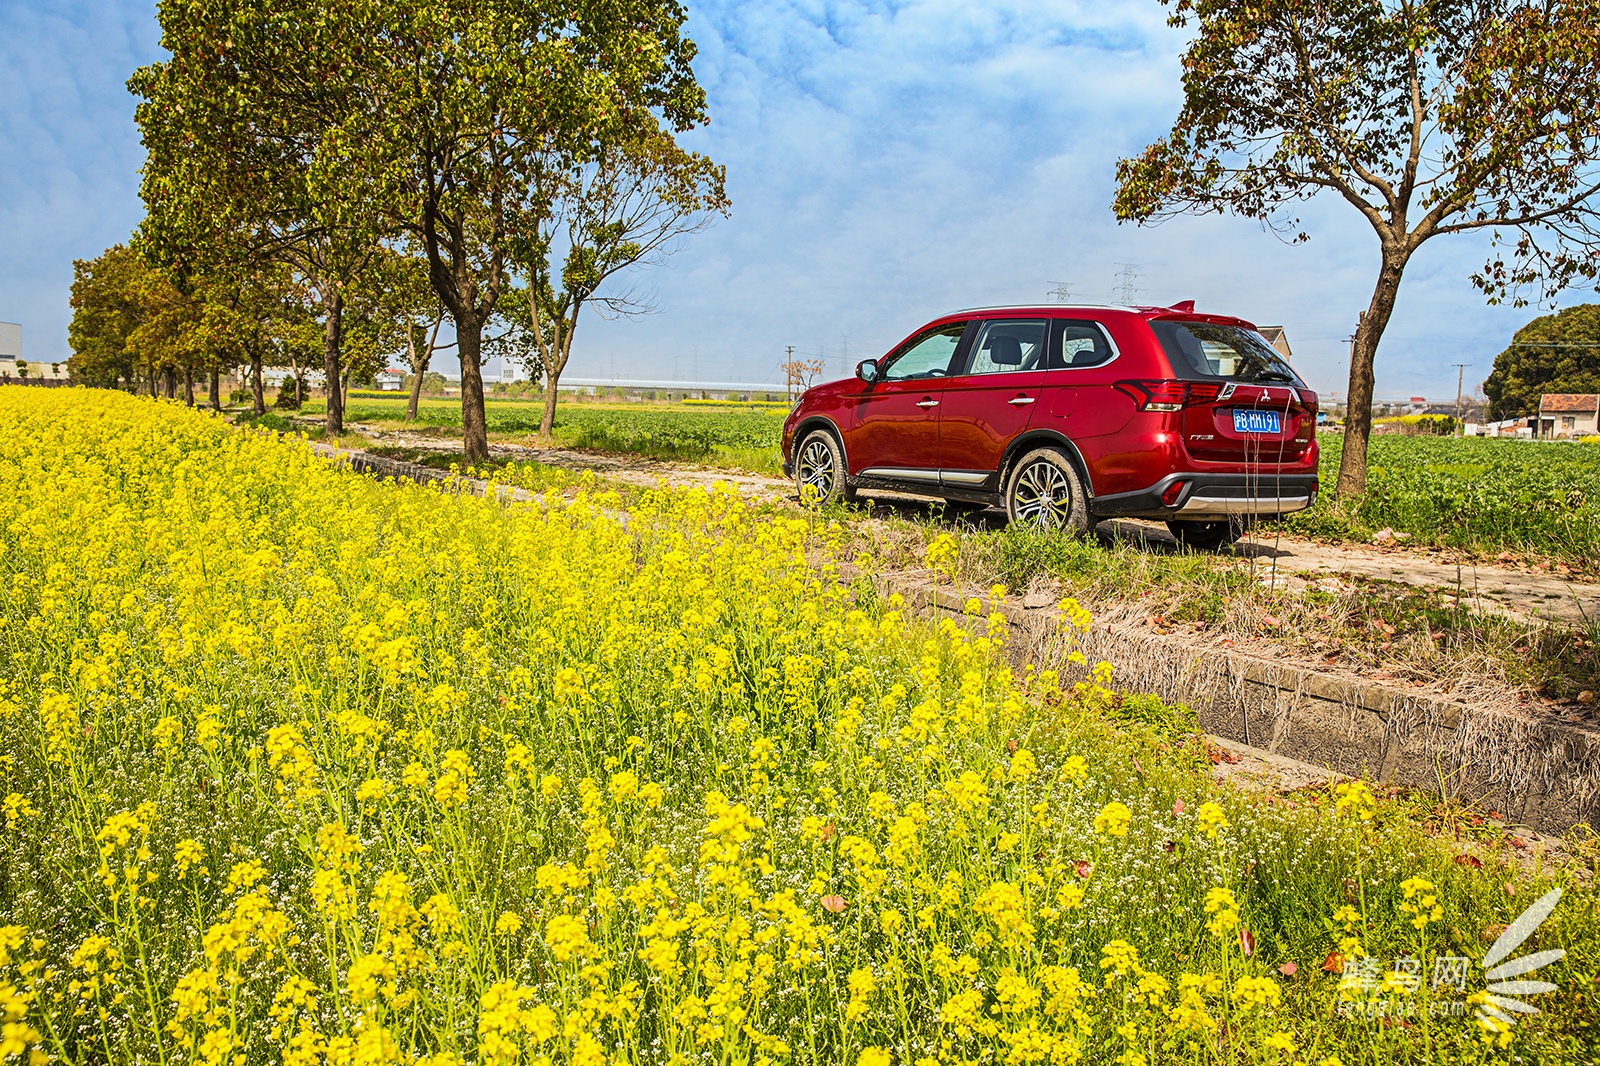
{"x": 359, "y": 171}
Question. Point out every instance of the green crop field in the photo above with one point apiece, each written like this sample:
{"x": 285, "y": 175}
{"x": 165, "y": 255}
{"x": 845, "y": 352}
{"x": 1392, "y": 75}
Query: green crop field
{"x": 1538, "y": 499}
{"x": 731, "y": 434}
{"x": 1524, "y": 497}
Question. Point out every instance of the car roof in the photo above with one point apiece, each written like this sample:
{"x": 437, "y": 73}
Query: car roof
{"x": 1184, "y": 310}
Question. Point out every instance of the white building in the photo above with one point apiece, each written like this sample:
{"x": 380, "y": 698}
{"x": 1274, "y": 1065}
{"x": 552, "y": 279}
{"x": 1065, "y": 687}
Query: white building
{"x": 390, "y": 379}
{"x": 10, "y": 344}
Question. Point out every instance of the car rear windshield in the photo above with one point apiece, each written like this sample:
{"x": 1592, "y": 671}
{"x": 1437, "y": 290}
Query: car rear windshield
{"x": 1233, "y": 353}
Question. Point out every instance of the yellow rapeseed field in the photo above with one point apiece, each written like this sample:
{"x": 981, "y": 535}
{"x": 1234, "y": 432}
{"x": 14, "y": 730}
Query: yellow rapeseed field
{"x": 302, "y": 767}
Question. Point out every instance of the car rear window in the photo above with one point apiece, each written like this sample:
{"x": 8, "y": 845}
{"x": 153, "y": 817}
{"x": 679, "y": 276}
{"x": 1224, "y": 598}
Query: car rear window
{"x": 1231, "y": 353}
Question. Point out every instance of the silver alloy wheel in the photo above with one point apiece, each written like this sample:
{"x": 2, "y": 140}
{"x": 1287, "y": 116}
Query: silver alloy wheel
{"x": 1042, "y": 495}
{"x": 816, "y": 466}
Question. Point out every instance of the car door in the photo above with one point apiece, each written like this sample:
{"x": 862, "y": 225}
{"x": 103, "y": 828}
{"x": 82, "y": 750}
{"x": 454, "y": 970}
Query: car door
{"x": 992, "y": 399}
{"x": 1078, "y": 400}
{"x": 896, "y": 428}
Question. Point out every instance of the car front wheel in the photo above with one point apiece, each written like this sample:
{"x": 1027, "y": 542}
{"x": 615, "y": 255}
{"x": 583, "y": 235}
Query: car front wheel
{"x": 819, "y": 470}
{"x": 1043, "y": 490}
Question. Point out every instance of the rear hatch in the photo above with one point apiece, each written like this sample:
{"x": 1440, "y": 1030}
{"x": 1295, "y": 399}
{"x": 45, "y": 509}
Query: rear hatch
{"x": 1243, "y": 403}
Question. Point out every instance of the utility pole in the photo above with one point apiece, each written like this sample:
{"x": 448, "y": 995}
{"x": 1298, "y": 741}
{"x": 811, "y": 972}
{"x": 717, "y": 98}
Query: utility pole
{"x": 1062, "y": 292}
{"x": 788, "y": 372}
{"x": 1461, "y": 370}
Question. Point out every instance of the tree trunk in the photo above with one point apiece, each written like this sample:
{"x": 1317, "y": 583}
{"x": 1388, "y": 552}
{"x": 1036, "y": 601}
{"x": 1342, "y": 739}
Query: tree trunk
{"x": 1358, "y": 412}
{"x": 255, "y": 386}
{"x": 547, "y": 421}
{"x": 333, "y": 324}
{"x": 169, "y": 383}
{"x": 474, "y": 424}
{"x": 216, "y": 389}
{"x": 188, "y": 387}
{"x": 419, "y": 366}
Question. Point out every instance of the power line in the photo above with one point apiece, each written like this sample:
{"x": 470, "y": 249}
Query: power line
{"x": 1062, "y": 291}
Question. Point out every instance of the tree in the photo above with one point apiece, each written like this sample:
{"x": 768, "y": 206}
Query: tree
{"x": 621, "y": 207}
{"x": 1553, "y": 353}
{"x": 800, "y": 373}
{"x": 250, "y": 153}
{"x": 1427, "y": 118}
{"x": 104, "y": 312}
{"x": 467, "y": 99}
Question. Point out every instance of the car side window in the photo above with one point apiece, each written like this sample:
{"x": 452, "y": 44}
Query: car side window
{"x": 926, "y": 356}
{"x": 1080, "y": 344}
{"x": 1008, "y": 345}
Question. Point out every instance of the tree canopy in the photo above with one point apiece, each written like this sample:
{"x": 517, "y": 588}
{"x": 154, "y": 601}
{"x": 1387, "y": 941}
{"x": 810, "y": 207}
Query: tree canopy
{"x": 251, "y": 130}
{"x": 1554, "y": 353}
{"x": 1427, "y": 118}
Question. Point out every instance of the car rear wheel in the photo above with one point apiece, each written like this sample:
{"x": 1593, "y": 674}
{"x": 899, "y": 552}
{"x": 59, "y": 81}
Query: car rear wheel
{"x": 1208, "y": 536}
{"x": 1043, "y": 490}
{"x": 819, "y": 470}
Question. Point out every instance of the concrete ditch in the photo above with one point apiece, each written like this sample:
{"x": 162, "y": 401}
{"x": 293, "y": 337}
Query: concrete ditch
{"x": 1536, "y": 772}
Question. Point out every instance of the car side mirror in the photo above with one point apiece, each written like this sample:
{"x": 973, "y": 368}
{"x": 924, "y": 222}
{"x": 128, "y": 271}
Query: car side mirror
{"x": 867, "y": 370}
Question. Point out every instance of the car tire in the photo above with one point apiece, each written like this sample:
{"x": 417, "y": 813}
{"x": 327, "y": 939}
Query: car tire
{"x": 1043, "y": 489}
{"x": 1208, "y": 536}
{"x": 820, "y": 475}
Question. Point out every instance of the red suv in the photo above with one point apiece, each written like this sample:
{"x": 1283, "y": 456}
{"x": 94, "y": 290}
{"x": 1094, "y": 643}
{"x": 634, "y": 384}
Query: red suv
{"x": 1069, "y": 415}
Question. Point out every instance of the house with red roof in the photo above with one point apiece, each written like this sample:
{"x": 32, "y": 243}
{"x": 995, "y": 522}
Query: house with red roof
{"x": 1567, "y": 415}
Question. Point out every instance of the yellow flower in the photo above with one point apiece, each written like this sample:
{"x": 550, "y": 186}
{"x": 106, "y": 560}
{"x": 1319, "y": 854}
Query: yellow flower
{"x": 1113, "y": 819}
{"x": 17, "y": 807}
{"x": 567, "y": 937}
{"x": 1280, "y": 1041}
{"x": 1355, "y": 797}
{"x": 188, "y": 855}
{"x": 508, "y": 924}
{"x": 1119, "y": 959}
{"x": 1209, "y": 819}
{"x": 874, "y": 1056}
{"x": 1252, "y": 993}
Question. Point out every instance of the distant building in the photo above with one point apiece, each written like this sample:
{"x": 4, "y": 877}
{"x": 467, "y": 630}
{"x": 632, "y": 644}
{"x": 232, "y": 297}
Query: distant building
{"x": 390, "y": 379}
{"x": 1276, "y": 337}
{"x": 10, "y": 344}
{"x": 1566, "y": 415}
{"x": 273, "y": 377}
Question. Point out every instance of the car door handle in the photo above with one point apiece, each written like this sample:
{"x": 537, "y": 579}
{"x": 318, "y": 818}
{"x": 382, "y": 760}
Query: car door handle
{"x": 1019, "y": 401}
{"x": 927, "y": 402}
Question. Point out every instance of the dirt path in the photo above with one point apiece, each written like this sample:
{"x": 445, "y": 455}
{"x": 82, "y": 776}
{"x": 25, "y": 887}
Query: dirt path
{"x": 1293, "y": 563}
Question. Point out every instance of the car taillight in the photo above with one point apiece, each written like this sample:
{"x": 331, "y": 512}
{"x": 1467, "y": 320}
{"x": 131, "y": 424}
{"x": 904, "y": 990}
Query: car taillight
{"x": 1308, "y": 398}
{"x": 1169, "y": 395}
{"x": 1173, "y": 491}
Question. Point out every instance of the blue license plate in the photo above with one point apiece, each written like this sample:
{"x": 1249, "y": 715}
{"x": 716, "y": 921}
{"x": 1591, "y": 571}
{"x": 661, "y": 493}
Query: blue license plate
{"x": 1251, "y": 421}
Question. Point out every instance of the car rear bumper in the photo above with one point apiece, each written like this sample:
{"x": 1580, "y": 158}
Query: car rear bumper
{"x": 1209, "y": 497}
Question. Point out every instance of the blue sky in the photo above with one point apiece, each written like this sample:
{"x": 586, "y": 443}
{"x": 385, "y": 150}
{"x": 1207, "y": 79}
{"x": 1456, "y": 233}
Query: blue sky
{"x": 887, "y": 162}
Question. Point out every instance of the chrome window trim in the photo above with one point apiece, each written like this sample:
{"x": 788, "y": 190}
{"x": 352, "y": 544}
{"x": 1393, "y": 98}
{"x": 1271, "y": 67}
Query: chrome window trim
{"x": 1116, "y": 352}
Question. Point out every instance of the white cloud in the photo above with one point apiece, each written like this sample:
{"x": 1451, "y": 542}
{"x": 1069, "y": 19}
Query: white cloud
{"x": 887, "y": 162}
